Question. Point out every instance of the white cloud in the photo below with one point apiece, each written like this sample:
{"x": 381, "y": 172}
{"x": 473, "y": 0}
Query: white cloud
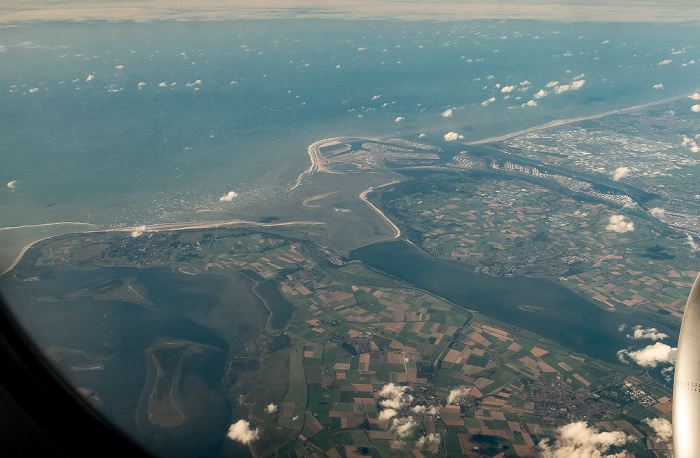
{"x": 649, "y": 333}
{"x": 693, "y": 244}
{"x": 457, "y": 395}
{"x": 118, "y": 67}
{"x": 241, "y": 432}
{"x": 271, "y": 408}
{"x": 604, "y": 42}
{"x": 620, "y": 172}
{"x": 507, "y": 88}
{"x": 375, "y": 97}
{"x": 691, "y": 144}
{"x": 12, "y": 184}
{"x": 228, "y": 197}
{"x": 196, "y": 83}
{"x": 574, "y": 86}
{"x": 403, "y": 428}
{"x": 422, "y": 410}
{"x": 137, "y": 231}
{"x": 447, "y": 113}
{"x": 141, "y": 84}
{"x": 579, "y": 440}
{"x": 421, "y": 136}
{"x": 490, "y": 77}
{"x": 657, "y": 212}
{"x": 487, "y": 101}
{"x": 452, "y": 136}
{"x": 695, "y": 96}
{"x": 525, "y": 83}
{"x": 579, "y": 77}
{"x": 162, "y": 84}
{"x": 34, "y": 89}
{"x": 695, "y": 108}
{"x": 428, "y": 441}
{"x": 658, "y": 86}
{"x": 529, "y": 103}
{"x": 617, "y": 223}
{"x": 662, "y": 428}
{"x": 650, "y": 356}
{"x": 665, "y": 62}
{"x": 540, "y": 94}
{"x": 90, "y": 78}
{"x": 399, "y": 119}
{"x": 395, "y": 396}
{"x": 552, "y": 84}
{"x": 387, "y": 414}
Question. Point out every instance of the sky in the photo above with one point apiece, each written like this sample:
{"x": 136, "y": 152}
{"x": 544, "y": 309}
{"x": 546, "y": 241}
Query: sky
{"x": 150, "y": 10}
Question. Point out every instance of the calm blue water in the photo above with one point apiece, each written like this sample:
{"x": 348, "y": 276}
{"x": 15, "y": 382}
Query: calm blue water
{"x": 127, "y": 124}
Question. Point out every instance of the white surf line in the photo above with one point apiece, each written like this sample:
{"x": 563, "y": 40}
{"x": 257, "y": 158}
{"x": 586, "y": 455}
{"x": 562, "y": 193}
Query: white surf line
{"x": 562, "y": 122}
{"x": 314, "y": 155}
{"x": 59, "y": 223}
{"x": 363, "y": 197}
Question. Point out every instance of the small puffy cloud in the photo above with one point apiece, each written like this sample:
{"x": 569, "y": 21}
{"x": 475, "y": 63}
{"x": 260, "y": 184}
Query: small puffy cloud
{"x": 457, "y": 395}
{"x": 394, "y": 396}
{"x": 657, "y": 212}
{"x": 525, "y": 83}
{"x": 228, "y": 197}
{"x": 428, "y": 441}
{"x": 649, "y": 333}
{"x": 447, "y": 113}
{"x": 650, "y": 356}
{"x": 137, "y": 231}
{"x": 487, "y": 101}
{"x": 241, "y": 432}
{"x": 620, "y": 172}
{"x": 507, "y": 88}
{"x": 399, "y": 119}
{"x": 605, "y": 42}
{"x": 490, "y": 77}
{"x": 552, "y": 84}
{"x": 403, "y": 428}
{"x": 271, "y": 408}
{"x": 375, "y": 97}
{"x": 579, "y": 440}
{"x": 33, "y": 90}
{"x": 665, "y": 62}
{"x": 574, "y": 86}
{"x": 693, "y": 244}
{"x": 529, "y": 103}
{"x": 695, "y": 96}
{"x": 119, "y": 67}
{"x": 141, "y": 84}
{"x": 90, "y": 78}
{"x": 695, "y": 108}
{"x": 691, "y": 144}
{"x": 12, "y": 184}
{"x": 658, "y": 86}
{"x": 387, "y": 414}
{"x": 163, "y": 84}
{"x": 421, "y": 136}
{"x": 662, "y": 428}
{"x": 452, "y": 136}
{"x": 540, "y": 94}
{"x": 196, "y": 83}
{"x": 617, "y": 223}
{"x": 424, "y": 410}
{"x": 579, "y": 77}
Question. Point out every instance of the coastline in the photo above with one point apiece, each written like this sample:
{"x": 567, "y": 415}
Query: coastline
{"x": 154, "y": 228}
{"x": 363, "y": 197}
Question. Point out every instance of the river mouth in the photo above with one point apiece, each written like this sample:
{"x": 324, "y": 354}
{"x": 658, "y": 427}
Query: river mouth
{"x": 538, "y": 305}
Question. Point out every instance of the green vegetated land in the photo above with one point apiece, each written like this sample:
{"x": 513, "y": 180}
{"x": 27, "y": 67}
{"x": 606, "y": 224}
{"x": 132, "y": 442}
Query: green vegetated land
{"x": 498, "y": 316}
{"x": 338, "y": 332}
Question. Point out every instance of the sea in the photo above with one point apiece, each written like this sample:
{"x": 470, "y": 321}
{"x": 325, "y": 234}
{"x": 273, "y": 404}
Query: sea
{"x": 121, "y": 124}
